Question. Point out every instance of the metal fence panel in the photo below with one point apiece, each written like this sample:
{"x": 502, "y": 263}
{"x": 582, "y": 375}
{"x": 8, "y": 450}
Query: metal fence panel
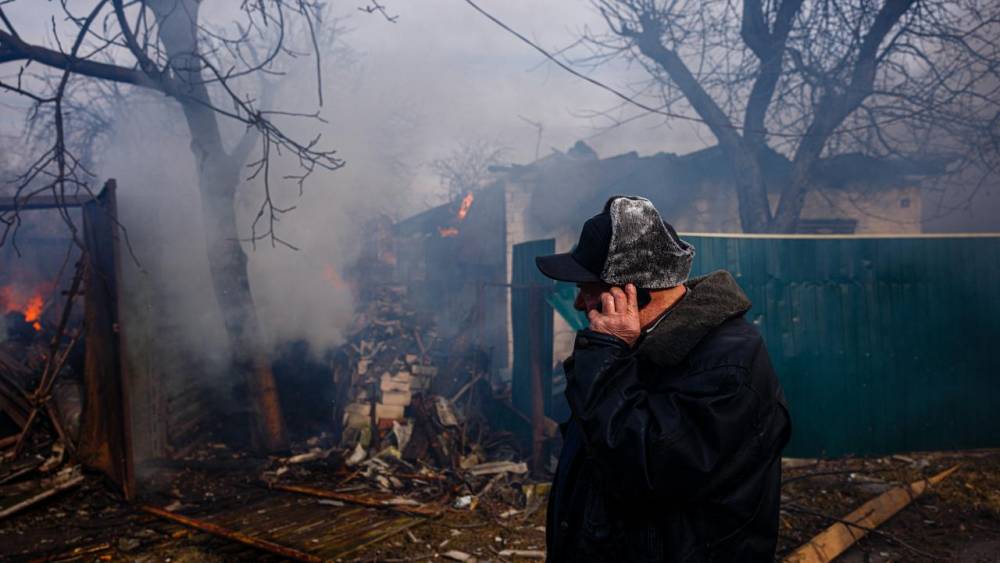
{"x": 531, "y": 320}
{"x": 882, "y": 344}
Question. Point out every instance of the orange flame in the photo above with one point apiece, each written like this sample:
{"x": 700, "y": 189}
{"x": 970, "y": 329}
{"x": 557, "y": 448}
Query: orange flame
{"x": 31, "y": 306}
{"x": 331, "y": 275}
{"x": 33, "y": 310}
{"x": 466, "y": 204}
{"x": 463, "y": 210}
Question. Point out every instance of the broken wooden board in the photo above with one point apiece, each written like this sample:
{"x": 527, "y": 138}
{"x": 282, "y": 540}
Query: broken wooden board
{"x": 304, "y": 528}
{"x": 19, "y": 497}
{"x": 373, "y": 500}
{"x": 836, "y": 539}
{"x": 304, "y": 523}
{"x": 234, "y": 535}
{"x": 494, "y": 467}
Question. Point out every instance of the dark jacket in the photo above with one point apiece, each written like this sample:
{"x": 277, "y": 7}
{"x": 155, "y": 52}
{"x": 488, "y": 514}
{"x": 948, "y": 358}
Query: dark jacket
{"x": 673, "y": 450}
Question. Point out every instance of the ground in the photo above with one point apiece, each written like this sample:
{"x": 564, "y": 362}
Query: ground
{"x": 957, "y": 520}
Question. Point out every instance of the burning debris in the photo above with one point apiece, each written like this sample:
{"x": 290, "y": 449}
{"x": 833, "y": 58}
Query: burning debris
{"x": 41, "y": 366}
{"x": 18, "y": 304}
{"x": 463, "y": 210}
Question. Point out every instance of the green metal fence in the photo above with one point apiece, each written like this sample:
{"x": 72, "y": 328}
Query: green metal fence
{"x": 882, "y": 344}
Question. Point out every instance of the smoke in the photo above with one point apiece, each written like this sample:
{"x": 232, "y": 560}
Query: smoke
{"x": 299, "y": 293}
{"x": 389, "y": 110}
{"x": 400, "y": 96}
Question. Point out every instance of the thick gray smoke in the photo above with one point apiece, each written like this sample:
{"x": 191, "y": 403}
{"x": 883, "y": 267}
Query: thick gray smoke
{"x": 389, "y": 110}
{"x": 404, "y": 94}
{"x": 300, "y": 294}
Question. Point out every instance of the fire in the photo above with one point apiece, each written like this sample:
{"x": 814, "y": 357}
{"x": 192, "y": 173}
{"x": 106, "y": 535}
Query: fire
{"x": 463, "y": 210}
{"x": 33, "y": 311}
{"x": 331, "y": 275}
{"x": 466, "y": 204}
{"x": 14, "y": 301}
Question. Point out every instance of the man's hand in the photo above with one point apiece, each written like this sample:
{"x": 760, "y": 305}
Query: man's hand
{"x": 619, "y": 314}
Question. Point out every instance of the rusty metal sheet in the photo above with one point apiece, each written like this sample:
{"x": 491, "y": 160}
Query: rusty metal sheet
{"x": 105, "y": 429}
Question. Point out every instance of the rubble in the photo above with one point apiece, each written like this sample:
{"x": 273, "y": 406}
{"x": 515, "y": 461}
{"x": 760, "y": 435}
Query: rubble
{"x": 20, "y": 497}
{"x": 257, "y": 543}
{"x": 389, "y": 366}
{"x": 525, "y": 553}
{"x": 456, "y": 555}
{"x": 502, "y": 515}
{"x": 492, "y": 468}
{"x": 397, "y": 404}
{"x": 840, "y": 536}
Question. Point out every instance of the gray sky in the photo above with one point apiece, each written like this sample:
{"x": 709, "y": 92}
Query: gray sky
{"x": 456, "y": 75}
{"x": 467, "y": 78}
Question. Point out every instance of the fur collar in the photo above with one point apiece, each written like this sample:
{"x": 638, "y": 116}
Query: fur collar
{"x": 710, "y": 300}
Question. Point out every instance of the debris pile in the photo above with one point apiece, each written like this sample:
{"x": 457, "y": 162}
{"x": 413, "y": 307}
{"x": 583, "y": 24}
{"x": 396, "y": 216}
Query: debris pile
{"x": 41, "y": 369}
{"x": 387, "y": 368}
{"x": 394, "y": 399}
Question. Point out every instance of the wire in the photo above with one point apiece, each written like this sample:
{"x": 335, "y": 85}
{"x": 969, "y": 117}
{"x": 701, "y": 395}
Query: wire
{"x": 633, "y": 101}
{"x": 580, "y": 75}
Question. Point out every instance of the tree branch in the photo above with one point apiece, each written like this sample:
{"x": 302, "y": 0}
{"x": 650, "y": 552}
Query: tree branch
{"x": 647, "y": 39}
{"x": 770, "y": 50}
{"x": 834, "y": 107}
{"x": 14, "y": 49}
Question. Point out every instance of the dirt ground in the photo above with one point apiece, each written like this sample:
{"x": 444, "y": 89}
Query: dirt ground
{"x": 957, "y": 520}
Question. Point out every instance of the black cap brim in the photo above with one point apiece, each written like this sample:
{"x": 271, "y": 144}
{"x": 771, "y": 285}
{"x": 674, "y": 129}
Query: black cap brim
{"x": 564, "y": 267}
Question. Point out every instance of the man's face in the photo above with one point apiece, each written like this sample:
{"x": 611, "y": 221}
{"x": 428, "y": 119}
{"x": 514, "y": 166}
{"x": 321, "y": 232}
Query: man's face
{"x": 588, "y": 298}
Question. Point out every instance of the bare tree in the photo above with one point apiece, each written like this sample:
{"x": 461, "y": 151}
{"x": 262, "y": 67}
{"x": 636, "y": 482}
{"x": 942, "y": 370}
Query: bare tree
{"x": 164, "y": 46}
{"x": 901, "y": 80}
{"x": 467, "y": 168}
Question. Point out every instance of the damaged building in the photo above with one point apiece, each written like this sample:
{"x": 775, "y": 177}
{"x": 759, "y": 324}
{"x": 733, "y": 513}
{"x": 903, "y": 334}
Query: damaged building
{"x": 479, "y": 250}
{"x": 442, "y": 402}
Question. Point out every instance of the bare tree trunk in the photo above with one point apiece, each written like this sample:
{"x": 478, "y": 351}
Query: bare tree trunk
{"x": 751, "y": 190}
{"x": 218, "y": 179}
{"x": 833, "y": 109}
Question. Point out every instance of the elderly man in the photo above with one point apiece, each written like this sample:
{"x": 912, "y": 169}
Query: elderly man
{"x": 673, "y": 450}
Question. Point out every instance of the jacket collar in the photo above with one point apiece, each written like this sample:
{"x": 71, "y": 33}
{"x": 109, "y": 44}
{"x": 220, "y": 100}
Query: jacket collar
{"x": 710, "y": 300}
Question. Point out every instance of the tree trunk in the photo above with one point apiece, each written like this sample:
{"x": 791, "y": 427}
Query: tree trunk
{"x": 754, "y": 209}
{"x": 218, "y": 179}
{"x": 751, "y": 190}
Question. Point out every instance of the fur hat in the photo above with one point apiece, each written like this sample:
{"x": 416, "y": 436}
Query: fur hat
{"x": 628, "y": 242}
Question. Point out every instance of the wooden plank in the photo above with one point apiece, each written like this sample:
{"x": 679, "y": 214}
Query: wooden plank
{"x": 369, "y": 502}
{"x": 325, "y": 531}
{"x": 402, "y": 524}
{"x": 46, "y": 488}
{"x": 234, "y": 535}
{"x": 836, "y": 539}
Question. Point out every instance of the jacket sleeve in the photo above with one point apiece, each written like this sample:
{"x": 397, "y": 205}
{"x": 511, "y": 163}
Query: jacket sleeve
{"x": 676, "y": 437}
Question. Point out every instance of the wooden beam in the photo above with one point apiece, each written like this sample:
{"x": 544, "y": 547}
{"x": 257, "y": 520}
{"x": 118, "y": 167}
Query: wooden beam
{"x": 43, "y": 202}
{"x": 48, "y": 488}
{"x": 264, "y": 545}
{"x": 359, "y": 500}
{"x": 836, "y": 539}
